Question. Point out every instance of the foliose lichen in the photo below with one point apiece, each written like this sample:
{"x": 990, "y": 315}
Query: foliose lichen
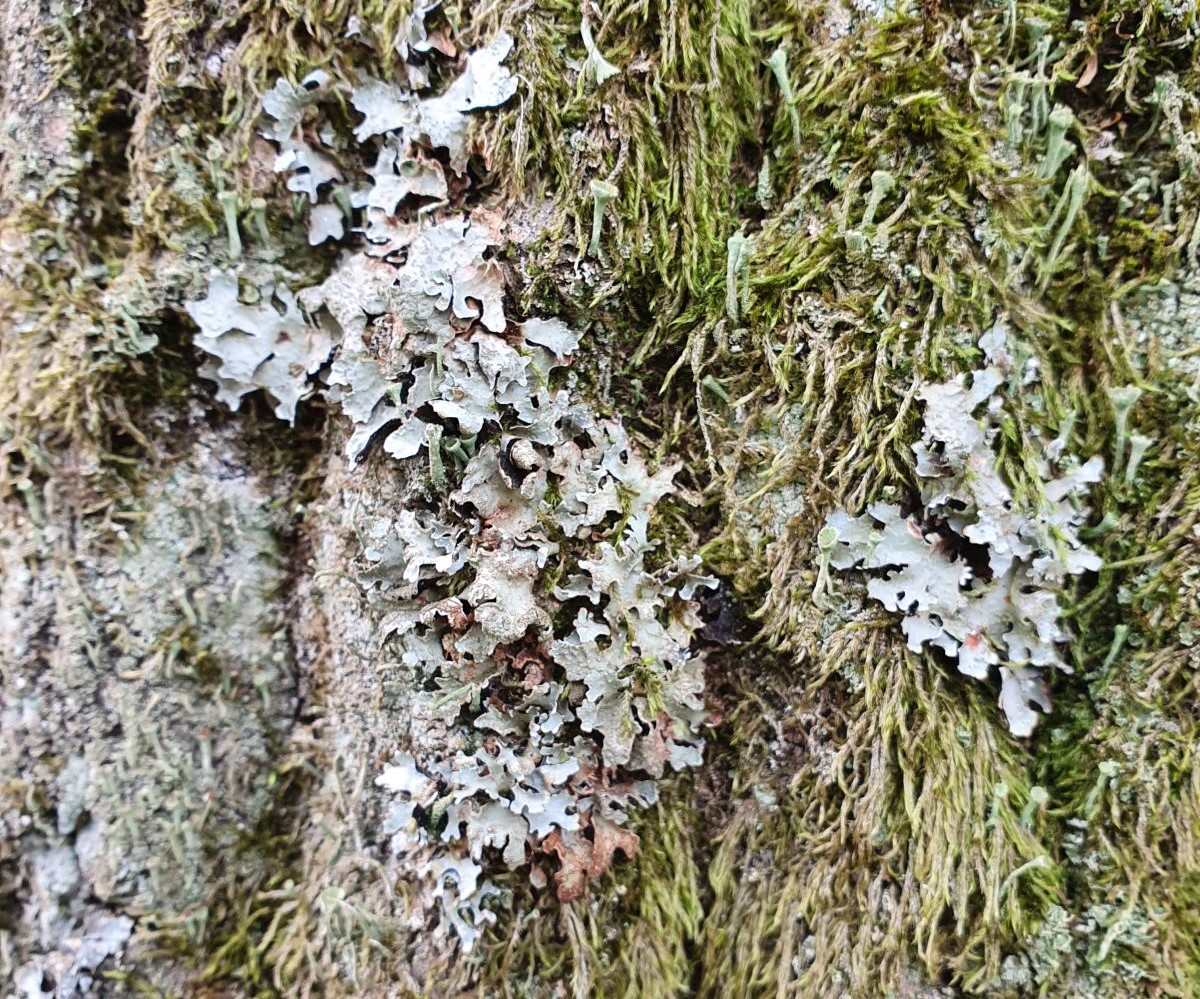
{"x": 547, "y": 633}
{"x": 975, "y": 571}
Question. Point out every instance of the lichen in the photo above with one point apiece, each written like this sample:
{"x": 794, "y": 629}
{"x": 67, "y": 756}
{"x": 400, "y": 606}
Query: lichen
{"x": 975, "y": 574}
{"x": 565, "y": 717}
{"x": 565, "y": 692}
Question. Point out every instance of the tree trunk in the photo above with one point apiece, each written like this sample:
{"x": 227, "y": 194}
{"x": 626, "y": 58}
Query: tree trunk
{"x": 690, "y": 499}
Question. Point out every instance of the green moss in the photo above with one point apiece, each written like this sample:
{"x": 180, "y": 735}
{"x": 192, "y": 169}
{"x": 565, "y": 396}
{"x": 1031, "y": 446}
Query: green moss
{"x": 97, "y": 265}
{"x": 245, "y": 910}
{"x": 893, "y": 831}
{"x": 637, "y": 937}
{"x": 859, "y": 290}
{"x": 1122, "y": 756}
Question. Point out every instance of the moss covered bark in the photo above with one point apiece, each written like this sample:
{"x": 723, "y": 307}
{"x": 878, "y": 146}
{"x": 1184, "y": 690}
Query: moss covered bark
{"x": 818, "y": 208}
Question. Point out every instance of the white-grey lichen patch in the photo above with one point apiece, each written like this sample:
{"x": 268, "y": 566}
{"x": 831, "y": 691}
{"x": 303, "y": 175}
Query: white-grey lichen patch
{"x": 407, "y": 121}
{"x": 1164, "y": 323}
{"x": 975, "y": 573}
{"x": 328, "y": 222}
{"x": 72, "y": 970}
{"x": 574, "y": 693}
{"x": 267, "y": 345}
{"x": 309, "y": 169}
{"x": 433, "y": 371}
{"x": 545, "y": 634}
{"x": 485, "y": 83}
{"x": 140, "y": 728}
{"x": 445, "y": 273}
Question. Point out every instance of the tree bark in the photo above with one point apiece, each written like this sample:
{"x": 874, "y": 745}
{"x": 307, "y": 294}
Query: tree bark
{"x": 779, "y": 231}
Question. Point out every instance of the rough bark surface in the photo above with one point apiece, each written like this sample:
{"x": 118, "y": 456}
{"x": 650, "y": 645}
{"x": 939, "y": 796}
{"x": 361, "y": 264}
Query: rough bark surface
{"x": 778, "y": 232}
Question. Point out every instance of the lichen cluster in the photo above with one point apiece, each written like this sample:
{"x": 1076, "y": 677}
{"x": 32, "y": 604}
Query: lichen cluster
{"x": 977, "y": 574}
{"x": 571, "y": 692}
{"x": 547, "y": 636}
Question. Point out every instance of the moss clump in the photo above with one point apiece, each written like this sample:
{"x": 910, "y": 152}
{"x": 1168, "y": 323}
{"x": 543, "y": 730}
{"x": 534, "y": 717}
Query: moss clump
{"x": 931, "y": 170}
{"x": 894, "y": 830}
{"x": 636, "y": 937}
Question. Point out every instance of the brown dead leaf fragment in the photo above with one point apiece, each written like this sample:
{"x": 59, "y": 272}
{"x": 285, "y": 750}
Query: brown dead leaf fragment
{"x": 585, "y": 860}
{"x": 608, "y": 839}
{"x": 573, "y": 853}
